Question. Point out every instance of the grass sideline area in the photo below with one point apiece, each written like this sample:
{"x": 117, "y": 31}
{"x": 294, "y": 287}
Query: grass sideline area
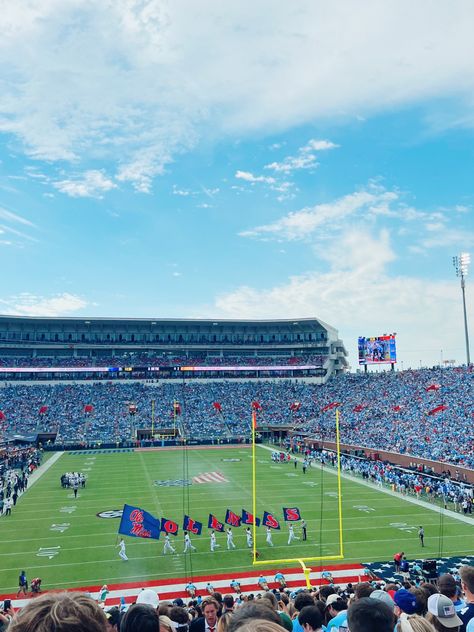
{"x": 62, "y": 540}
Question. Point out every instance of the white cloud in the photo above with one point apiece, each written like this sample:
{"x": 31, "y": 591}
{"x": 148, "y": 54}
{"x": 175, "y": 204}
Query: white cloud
{"x": 319, "y": 145}
{"x": 134, "y": 83}
{"x": 14, "y": 217}
{"x": 249, "y": 177}
{"x": 294, "y": 163}
{"x": 302, "y": 224}
{"x": 92, "y": 183}
{"x": 358, "y": 296}
{"x": 26, "y": 304}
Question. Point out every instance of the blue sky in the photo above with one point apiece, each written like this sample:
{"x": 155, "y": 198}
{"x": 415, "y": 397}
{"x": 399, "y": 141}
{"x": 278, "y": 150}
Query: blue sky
{"x": 181, "y": 159}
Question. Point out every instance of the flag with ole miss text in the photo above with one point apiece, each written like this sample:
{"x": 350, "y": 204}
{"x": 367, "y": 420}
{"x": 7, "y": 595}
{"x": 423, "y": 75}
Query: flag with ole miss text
{"x": 138, "y": 523}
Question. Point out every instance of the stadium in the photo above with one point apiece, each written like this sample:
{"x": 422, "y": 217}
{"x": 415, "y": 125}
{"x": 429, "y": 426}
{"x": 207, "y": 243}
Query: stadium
{"x": 204, "y": 425}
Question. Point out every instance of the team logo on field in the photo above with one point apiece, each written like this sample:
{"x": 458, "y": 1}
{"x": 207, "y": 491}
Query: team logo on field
{"x": 178, "y": 482}
{"x": 232, "y": 460}
{"x": 210, "y": 477}
{"x": 111, "y": 513}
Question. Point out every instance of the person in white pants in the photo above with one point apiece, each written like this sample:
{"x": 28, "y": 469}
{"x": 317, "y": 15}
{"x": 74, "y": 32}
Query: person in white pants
{"x": 187, "y": 543}
{"x": 291, "y": 534}
{"x": 168, "y": 548}
{"x": 214, "y": 544}
{"x": 248, "y": 535}
{"x": 269, "y": 537}
{"x": 230, "y": 539}
{"x": 122, "y": 552}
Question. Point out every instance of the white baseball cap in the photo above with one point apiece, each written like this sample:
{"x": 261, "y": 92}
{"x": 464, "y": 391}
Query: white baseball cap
{"x": 149, "y": 597}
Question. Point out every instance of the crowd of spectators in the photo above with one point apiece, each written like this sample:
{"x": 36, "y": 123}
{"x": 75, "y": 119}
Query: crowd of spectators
{"x": 160, "y": 360}
{"x": 380, "y": 411}
{"x": 363, "y": 607}
{"x": 16, "y": 464}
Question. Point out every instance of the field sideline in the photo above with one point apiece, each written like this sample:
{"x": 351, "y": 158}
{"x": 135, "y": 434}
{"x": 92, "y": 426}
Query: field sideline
{"x": 66, "y": 543}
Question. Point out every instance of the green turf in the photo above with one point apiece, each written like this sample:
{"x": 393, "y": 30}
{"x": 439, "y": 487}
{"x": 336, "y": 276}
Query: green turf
{"x": 375, "y": 524}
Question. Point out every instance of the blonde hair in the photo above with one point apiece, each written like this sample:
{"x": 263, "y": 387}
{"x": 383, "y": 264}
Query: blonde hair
{"x": 414, "y": 623}
{"x": 260, "y": 625}
{"x": 60, "y": 612}
{"x": 223, "y": 622}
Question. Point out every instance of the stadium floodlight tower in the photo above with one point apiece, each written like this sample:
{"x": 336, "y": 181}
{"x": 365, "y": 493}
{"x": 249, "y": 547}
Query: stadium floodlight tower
{"x": 461, "y": 265}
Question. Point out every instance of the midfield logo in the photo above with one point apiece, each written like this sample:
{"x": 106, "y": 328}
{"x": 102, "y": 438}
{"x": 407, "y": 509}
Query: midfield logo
{"x": 179, "y": 482}
{"x": 111, "y": 513}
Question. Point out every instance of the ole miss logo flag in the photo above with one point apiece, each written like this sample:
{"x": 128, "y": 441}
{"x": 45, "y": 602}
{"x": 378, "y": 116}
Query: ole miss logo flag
{"x": 139, "y": 523}
{"x": 247, "y": 518}
{"x": 269, "y": 520}
{"x": 232, "y": 518}
{"x": 169, "y": 526}
{"x": 213, "y": 523}
{"x": 193, "y": 526}
{"x": 291, "y": 513}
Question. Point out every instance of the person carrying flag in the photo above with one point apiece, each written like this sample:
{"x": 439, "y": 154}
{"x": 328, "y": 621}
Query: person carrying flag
{"x": 248, "y": 535}
{"x": 291, "y": 534}
{"x": 269, "y": 537}
{"x": 122, "y": 552}
{"x": 230, "y": 539}
{"x": 187, "y": 543}
{"x": 168, "y": 548}
{"x": 214, "y": 544}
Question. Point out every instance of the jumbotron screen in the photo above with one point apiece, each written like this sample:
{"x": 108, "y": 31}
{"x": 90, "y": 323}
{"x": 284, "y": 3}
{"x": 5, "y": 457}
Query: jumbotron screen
{"x": 377, "y": 350}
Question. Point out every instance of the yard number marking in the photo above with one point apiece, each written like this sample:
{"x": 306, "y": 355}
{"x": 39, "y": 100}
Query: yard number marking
{"x": 64, "y": 526}
{"x": 49, "y": 551}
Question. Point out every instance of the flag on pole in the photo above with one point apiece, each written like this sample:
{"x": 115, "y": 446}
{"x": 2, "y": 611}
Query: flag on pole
{"x": 138, "y": 523}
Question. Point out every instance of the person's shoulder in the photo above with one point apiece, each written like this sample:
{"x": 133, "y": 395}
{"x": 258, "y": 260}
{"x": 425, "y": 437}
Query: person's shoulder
{"x": 198, "y": 625}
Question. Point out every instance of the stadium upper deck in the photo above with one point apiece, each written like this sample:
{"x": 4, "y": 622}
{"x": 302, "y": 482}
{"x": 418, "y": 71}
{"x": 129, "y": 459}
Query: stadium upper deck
{"x": 150, "y": 347}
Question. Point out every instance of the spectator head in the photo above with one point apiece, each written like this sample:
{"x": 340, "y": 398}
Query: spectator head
{"x": 405, "y": 601}
{"x": 362, "y": 589}
{"x": 272, "y": 600}
{"x": 447, "y": 586}
{"x": 428, "y": 589}
{"x": 228, "y": 602}
{"x": 310, "y": 619}
{"x": 179, "y": 618}
{"x": 260, "y": 625}
{"x": 166, "y": 625}
{"x": 303, "y": 599}
{"x": 113, "y": 619}
{"x": 442, "y": 614}
{"x": 325, "y": 591}
{"x": 251, "y": 611}
{"x": 335, "y": 604}
{"x": 148, "y": 597}
{"x": 413, "y": 623}
{"x": 467, "y": 580}
{"x": 224, "y": 621}
{"x": 383, "y": 596}
{"x": 210, "y": 609}
{"x": 370, "y": 615}
{"x": 60, "y": 612}
{"x": 421, "y": 595}
{"x": 140, "y": 617}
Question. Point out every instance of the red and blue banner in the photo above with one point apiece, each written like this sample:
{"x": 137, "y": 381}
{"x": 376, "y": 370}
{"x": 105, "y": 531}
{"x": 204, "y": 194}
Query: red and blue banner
{"x": 213, "y": 523}
{"x": 138, "y": 523}
{"x": 169, "y": 526}
{"x": 232, "y": 518}
{"x": 269, "y": 520}
{"x": 247, "y": 518}
{"x": 291, "y": 514}
{"x": 193, "y": 526}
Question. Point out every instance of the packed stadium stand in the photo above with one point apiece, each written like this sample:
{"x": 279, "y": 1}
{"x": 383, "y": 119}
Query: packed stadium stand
{"x": 145, "y": 348}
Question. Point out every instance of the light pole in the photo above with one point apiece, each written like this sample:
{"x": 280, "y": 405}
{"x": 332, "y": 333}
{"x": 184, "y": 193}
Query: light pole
{"x": 461, "y": 265}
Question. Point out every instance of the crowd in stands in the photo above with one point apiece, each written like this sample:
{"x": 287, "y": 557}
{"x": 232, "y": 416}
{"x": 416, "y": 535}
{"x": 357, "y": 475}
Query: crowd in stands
{"x": 160, "y": 360}
{"x": 16, "y": 464}
{"x": 362, "y": 607}
{"x": 392, "y": 411}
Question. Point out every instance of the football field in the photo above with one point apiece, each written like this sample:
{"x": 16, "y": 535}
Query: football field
{"x": 73, "y": 542}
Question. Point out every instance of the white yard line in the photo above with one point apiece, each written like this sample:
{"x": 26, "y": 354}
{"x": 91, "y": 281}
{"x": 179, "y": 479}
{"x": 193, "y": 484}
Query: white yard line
{"x": 415, "y": 501}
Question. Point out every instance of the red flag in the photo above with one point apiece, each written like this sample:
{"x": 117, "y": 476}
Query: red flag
{"x": 330, "y": 406}
{"x": 359, "y": 408}
{"x": 217, "y": 406}
{"x": 88, "y": 408}
{"x": 295, "y": 406}
{"x": 43, "y": 410}
{"x": 256, "y": 405}
{"x": 397, "y": 408}
{"x": 438, "y": 409}
{"x": 433, "y": 387}
{"x": 2, "y": 415}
